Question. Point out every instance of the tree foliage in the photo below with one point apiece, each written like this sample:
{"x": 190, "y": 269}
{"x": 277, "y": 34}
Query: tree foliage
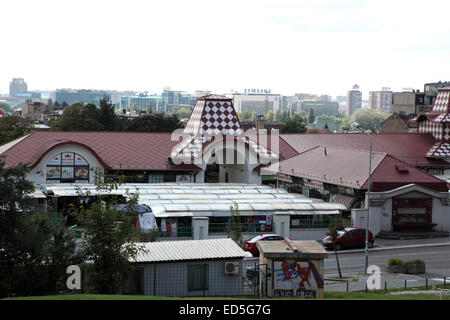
{"x": 311, "y": 116}
{"x": 153, "y": 123}
{"x": 81, "y": 117}
{"x": 235, "y": 229}
{"x": 36, "y": 249}
{"x": 109, "y": 236}
{"x": 294, "y": 126}
{"x": 14, "y": 127}
{"x": 369, "y": 119}
{"x": 183, "y": 113}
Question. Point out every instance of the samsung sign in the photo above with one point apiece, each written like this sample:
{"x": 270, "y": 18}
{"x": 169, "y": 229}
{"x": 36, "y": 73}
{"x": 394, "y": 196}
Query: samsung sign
{"x": 257, "y": 91}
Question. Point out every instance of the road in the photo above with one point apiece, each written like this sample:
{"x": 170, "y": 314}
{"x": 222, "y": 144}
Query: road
{"x": 437, "y": 260}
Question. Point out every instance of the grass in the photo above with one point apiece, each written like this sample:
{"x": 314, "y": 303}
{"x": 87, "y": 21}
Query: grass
{"x": 329, "y": 295}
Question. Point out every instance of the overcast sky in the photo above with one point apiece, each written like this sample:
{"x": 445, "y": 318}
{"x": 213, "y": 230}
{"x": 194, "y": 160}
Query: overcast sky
{"x": 292, "y": 46}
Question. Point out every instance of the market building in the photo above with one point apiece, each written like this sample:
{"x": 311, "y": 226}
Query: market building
{"x": 341, "y": 175}
{"x": 214, "y": 148}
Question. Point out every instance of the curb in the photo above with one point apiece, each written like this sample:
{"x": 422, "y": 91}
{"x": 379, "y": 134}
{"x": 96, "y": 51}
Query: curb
{"x": 397, "y": 247}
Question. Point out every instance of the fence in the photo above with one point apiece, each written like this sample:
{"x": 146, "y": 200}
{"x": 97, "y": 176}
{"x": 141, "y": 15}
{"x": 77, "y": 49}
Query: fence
{"x": 316, "y": 223}
{"x": 360, "y": 285}
{"x": 243, "y": 227}
{"x": 197, "y": 278}
{"x": 182, "y": 231}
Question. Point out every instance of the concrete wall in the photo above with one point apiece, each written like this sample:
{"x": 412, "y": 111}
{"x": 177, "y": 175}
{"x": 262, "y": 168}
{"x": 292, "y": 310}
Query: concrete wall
{"x": 40, "y": 178}
{"x": 172, "y": 279}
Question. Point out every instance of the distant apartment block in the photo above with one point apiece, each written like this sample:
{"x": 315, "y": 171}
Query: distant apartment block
{"x": 354, "y": 100}
{"x": 381, "y": 101}
{"x": 71, "y": 96}
{"x": 16, "y": 86}
{"x": 412, "y": 102}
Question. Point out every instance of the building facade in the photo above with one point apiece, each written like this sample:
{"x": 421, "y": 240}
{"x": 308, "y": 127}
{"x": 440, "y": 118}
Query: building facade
{"x": 354, "y": 100}
{"x": 257, "y": 102}
{"x": 17, "y": 85}
{"x": 381, "y": 101}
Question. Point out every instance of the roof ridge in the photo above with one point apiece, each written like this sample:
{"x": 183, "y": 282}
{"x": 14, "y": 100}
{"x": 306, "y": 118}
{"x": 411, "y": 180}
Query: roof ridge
{"x": 15, "y": 142}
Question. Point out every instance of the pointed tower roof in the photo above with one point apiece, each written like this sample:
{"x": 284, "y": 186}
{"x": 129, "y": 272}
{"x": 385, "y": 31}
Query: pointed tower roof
{"x": 214, "y": 116}
{"x": 437, "y": 122}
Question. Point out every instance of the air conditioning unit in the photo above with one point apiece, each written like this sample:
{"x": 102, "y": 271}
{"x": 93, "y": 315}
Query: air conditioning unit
{"x": 231, "y": 268}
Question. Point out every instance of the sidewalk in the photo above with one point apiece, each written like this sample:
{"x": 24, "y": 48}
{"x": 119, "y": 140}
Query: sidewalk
{"x": 389, "y": 244}
{"x": 357, "y": 282}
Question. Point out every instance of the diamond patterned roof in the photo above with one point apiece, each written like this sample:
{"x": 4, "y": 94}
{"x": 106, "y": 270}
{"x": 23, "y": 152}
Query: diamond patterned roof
{"x": 437, "y": 122}
{"x": 439, "y": 150}
{"x": 441, "y": 105}
{"x": 214, "y": 116}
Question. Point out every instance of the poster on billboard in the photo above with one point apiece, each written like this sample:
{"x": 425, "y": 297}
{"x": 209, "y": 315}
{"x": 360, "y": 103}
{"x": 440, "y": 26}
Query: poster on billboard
{"x": 301, "y": 278}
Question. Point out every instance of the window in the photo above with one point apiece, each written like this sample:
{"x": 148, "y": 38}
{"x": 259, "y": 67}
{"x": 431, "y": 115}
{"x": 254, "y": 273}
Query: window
{"x": 197, "y": 277}
{"x": 67, "y": 167}
{"x": 155, "y": 178}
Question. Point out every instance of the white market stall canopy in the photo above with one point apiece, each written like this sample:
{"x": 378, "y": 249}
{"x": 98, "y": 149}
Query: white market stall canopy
{"x": 207, "y": 199}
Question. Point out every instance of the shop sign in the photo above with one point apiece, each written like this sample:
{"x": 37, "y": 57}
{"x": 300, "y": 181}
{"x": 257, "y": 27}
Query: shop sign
{"x": 284, "y": 177}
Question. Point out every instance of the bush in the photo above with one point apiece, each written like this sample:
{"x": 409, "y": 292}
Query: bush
{"x": 395, "y": 262}
{"x": 416, "y": 261}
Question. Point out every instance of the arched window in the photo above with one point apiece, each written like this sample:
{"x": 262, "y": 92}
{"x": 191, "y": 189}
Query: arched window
{"x": 67, "y": 167}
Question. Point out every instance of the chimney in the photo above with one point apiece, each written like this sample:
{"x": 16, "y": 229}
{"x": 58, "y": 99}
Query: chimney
{"x": 259, "y": 123}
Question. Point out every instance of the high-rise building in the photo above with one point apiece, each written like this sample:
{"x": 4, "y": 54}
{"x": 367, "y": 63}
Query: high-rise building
{"x": 354, "y": 100}
{"x": 381, "y": 101}
{"x": 17, "y": 85}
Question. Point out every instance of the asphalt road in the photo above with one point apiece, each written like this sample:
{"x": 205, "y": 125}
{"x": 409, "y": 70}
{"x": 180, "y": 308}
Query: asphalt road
{"x": 437, "y": 260}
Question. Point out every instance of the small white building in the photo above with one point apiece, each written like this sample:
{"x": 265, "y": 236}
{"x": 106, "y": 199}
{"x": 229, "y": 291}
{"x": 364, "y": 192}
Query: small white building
{"x": 211, "y": 267}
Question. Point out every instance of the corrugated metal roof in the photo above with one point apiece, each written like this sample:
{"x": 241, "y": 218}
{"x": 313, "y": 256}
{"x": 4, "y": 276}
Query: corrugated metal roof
{"x": 172, "y": 199}
{"x": 163, "y": 251}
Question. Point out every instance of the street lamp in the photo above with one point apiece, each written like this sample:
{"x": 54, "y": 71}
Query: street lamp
{"x": 366, "y": 248}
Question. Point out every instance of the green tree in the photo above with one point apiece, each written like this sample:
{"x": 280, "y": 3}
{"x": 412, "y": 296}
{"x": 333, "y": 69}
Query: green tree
{"x": 107, "y": 115}
{"x": 14, "y": 127}
{"x": 110, "y": 238}
{"x": 333, "y": 229}
{"x": 270, "y": 116}
{"x": 183, "y": 113}
{"x": 294, "y": 126}
{"x": 369, "y": 119}
{"x": 36, "y": 249}
{"x": 80, "y": 117}
{"x": 235, "y": 229}
{"x": 153, "y": 123}
{"x": 311, "y": 116}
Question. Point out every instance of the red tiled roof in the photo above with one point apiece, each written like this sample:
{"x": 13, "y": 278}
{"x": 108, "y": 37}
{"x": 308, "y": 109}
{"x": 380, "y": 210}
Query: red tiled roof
{"x": 408, "y": 147}
{"x": 350, "y": 168}
{"x": 115, "y": 150}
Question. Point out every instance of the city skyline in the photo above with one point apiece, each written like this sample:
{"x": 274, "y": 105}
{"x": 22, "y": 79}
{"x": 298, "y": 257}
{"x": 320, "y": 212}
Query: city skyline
{"x": 324, "y": 47}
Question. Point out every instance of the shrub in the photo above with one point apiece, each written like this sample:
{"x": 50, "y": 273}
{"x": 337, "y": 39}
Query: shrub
{"x": 416, "y": 261}
{"x": 395, "y": 262}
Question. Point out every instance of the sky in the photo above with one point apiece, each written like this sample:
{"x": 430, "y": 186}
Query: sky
{"x": 288, "y": 46}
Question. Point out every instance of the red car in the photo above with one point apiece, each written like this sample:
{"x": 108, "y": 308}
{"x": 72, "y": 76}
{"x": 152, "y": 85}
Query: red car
{"x": 250, "y": 245}
{"x": 350, "y": 237}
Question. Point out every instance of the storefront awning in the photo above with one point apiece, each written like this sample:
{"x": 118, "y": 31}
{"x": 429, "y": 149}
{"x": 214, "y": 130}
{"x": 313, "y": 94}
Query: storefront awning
{"x": 348, "y": 201}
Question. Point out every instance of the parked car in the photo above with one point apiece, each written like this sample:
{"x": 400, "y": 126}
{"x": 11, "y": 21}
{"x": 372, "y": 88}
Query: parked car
{"x": 253, "y": 273}
{"x": 350, "y": 237}
{"x": 250, "y": 245}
